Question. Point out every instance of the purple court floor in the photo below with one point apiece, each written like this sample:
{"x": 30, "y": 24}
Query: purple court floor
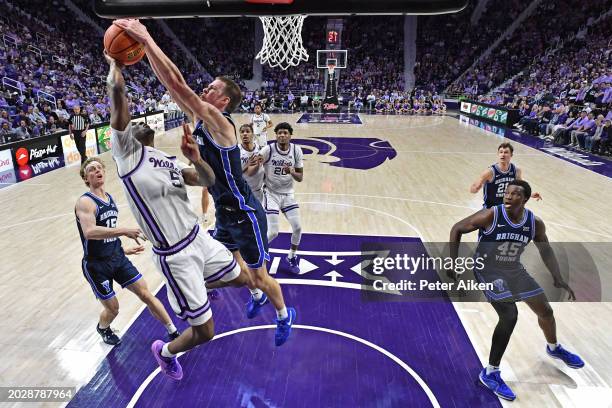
{"x": 343, "y": 352}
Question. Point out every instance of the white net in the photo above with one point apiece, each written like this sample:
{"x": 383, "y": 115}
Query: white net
{"x": 282, "y": 43}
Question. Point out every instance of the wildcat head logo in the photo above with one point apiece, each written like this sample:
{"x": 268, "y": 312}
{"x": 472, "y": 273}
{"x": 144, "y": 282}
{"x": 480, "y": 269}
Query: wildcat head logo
{"x": 348, "y": 152}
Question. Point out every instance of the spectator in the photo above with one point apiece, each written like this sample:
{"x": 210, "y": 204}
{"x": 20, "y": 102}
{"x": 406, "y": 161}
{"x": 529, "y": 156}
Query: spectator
{"x": 23, "y": 132}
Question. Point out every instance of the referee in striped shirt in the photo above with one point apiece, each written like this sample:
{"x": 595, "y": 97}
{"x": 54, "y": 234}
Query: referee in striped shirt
{"x": 78, "y": 126}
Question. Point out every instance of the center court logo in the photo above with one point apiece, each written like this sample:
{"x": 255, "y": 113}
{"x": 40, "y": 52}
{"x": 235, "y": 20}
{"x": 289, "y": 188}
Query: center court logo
{"x": 349, "y": 152}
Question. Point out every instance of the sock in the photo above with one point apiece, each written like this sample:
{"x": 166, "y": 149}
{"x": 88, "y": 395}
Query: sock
{"x": 165, "y": 352}
{"x": 256, "y": 293}
{"x": 171, "y": 328}
{"x": 103, "y": 327}
{"x": 291, "y": 253}
{"x": 491, "y": 368}
{"x": 552, "y": 346}
{"x": 282, "y": 313}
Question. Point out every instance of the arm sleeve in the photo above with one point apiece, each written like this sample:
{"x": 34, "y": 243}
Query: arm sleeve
{"x": 126, "y": 150}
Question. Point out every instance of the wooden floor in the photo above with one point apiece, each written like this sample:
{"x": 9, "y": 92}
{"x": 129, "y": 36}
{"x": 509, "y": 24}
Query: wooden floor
{"x": 49, "y": 313}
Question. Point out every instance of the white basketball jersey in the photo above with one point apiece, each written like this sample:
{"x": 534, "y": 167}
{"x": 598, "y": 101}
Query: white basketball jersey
{"x": 259, "y": 123}
{"x": 275, "y": 161}
{"x": 155, "y": 189}
{"x": 255, "y": 181}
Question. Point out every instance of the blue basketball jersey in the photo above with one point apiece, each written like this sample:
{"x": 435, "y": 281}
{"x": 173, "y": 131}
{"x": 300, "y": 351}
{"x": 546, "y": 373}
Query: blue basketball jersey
{"x": 504, "y": 242}
{"x": 494, "y": 190}
{"x": 230, "y": 188}
{"x": 106, "y": 216}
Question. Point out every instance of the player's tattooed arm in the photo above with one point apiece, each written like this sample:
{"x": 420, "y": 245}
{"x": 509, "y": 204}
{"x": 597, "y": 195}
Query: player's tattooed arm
{"x": 486, "y": 176}
{"x": 170, "y": 76}
{"x": 549, "y": 258}
{"x": 120, "y": 114}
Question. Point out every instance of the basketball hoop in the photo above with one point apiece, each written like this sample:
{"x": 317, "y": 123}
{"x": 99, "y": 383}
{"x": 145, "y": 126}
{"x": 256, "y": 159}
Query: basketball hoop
{"x": 330, "y": 69}
{"x": 282, "y": 44}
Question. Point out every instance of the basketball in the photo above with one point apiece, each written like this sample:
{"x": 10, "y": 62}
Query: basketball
{"x": 122, "y": 47}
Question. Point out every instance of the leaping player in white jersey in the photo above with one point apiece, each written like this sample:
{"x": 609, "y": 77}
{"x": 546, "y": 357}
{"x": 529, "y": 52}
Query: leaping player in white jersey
{"x": 252, "y": 168}
{"x": 283, "y": 164}
{"x": 187, "y": 256}
{"x": 261, "y": 123}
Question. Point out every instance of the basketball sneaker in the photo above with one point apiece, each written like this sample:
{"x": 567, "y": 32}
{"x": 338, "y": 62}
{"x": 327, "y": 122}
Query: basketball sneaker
{"x": 174, "y": 335}
{"x": 254, "y": 306}
{"x": 572, "y": 360}
{"x": 108, "y": 336}
{"x": 169, "y": 366}
{"x": 294, "y": 265}
{"x": 495, "y": 383}
{"x": 283, "y": 327}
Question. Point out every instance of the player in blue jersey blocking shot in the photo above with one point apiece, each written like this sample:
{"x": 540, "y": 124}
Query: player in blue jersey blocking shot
{"x": 506, "y": 230}
{"x": 240, "y": 218}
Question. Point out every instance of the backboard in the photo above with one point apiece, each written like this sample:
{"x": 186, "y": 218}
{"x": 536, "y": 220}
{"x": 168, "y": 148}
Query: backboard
{"x": 229, "y": 8}
{"x": 332, "y": 57}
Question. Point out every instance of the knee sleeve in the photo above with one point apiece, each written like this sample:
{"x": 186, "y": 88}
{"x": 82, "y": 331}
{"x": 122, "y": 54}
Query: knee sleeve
{"x": 293, "y": 217}
{"x": 272, "y": 226}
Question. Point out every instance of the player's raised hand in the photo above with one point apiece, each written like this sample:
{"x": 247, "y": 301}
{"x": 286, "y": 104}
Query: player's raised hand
{"x": 563, "y": 285}
{"x": 135, "y": 234}
{"x": 189, "y": 147}
{"x": 537, "y": 196}
{"x": 255, "y": 160}
{"x": 134, "y": 28}
{"x": 134, "y": 250}
{"x": 111, "y": 60}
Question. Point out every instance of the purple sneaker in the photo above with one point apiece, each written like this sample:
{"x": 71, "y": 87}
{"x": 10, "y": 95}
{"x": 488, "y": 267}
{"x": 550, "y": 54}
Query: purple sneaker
{"x": 294, "y": 265}
{"x": 169, "y": 366}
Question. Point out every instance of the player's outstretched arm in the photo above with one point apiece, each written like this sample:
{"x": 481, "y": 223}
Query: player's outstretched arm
{"x": 549, "y": 258}
{"x": 120, "y": 114}
{"x": 481, "y": 219}
{"x": 86, "y": 213}
{"x": 519, "y": 176}
{"x": 485, "y": 177}
{"x": 203, "y": 175}
{"x": 170, "y": 76}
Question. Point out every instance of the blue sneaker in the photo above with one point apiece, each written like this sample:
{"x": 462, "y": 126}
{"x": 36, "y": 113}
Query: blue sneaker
{"x": 572, "y": 360}
{"x": 294, "y": 265}
{"x": 495, "y": 383}
{"x": 254, "y": 306}
{"x": 283, "y": 327}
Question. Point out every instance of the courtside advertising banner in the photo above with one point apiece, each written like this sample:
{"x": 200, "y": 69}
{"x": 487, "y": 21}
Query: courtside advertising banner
{"x": 37, "y": 156}
{"x": 103, "y": 134}
{"x": 465, "y": 107}
{"x": 7, "y": 170}
{"x": 71, "y": 154}
{"x": 6, "y": 160}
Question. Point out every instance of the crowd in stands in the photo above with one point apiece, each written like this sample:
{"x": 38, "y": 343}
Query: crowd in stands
{"x": 448, "y": 44}
{"x": 549, "y": 25}
{"x": 567, "y": 89}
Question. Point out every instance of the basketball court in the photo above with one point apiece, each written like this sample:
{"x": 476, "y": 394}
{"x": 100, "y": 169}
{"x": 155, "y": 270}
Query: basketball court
{"x": 388, "y": 179}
